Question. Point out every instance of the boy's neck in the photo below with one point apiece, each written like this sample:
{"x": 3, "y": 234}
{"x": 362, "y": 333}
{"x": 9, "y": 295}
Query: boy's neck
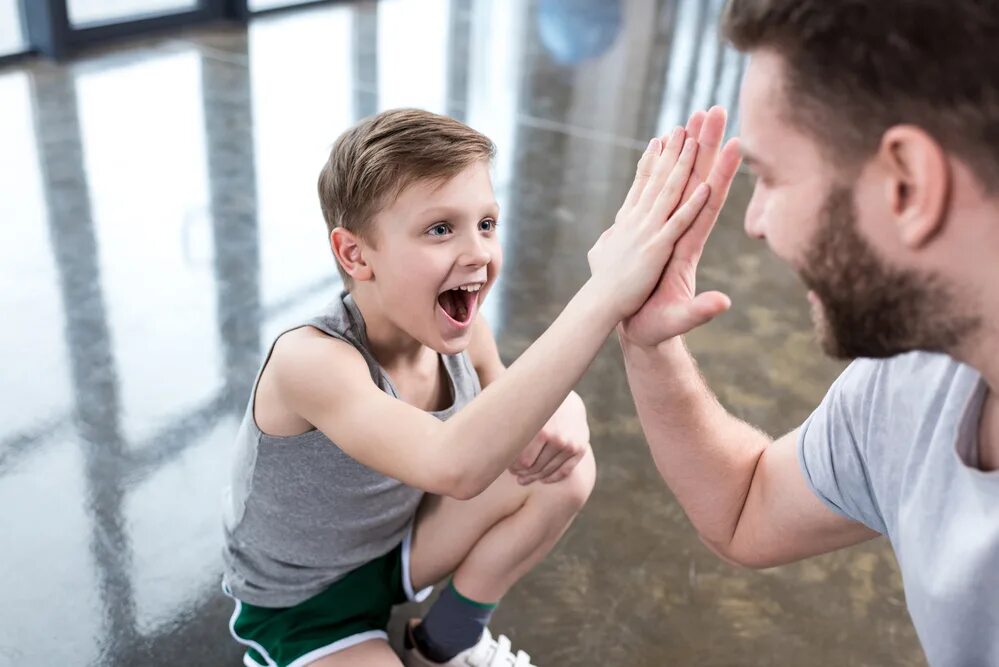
{"x": 390, "y": 345}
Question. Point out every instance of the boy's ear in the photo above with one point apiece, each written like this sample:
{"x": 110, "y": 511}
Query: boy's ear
{"x": 349, "y": 252}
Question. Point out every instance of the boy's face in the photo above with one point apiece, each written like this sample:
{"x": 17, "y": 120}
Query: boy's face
{"x": 436, "y": 253}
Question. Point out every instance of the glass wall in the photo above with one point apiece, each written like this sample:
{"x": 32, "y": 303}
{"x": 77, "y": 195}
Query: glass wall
{"x": 89, "y": 12}
{"x": 11, "y": 28}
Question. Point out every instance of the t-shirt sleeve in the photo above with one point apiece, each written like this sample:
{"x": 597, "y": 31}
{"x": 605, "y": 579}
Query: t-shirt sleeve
{"x": 833, "y": 442}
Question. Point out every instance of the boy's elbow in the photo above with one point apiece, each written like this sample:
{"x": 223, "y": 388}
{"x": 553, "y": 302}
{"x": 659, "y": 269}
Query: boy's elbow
{"x": 453, "y": 481}
{"x": 465, "y": 492}
{"x": 466, "y": 486}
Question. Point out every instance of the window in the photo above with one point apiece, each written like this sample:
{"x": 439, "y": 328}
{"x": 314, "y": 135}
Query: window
{"x": 87, "y": 12}
{"x": 11, "y": 28}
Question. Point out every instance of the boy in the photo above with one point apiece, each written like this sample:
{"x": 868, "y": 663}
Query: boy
{"x": 370, "y": 464}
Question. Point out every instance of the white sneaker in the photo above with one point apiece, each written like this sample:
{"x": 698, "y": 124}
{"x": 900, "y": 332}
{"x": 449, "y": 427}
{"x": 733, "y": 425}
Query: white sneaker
{"x": 488, "y": 652}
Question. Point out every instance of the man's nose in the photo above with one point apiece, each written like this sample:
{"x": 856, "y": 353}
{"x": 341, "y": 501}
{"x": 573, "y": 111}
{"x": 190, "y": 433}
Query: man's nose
{"x": 755, "y": 227}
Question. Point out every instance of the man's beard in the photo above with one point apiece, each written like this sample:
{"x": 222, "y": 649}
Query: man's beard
{"x": 868, "y": 308}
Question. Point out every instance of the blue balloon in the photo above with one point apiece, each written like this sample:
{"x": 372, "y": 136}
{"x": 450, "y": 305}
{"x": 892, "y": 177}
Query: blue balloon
{"x": 577, "y": 30}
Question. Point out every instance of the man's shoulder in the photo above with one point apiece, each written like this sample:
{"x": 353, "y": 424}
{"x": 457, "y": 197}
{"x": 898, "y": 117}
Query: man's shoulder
{"x": 877, "y": 425}
{"x": 894, "y": 398}
{"x": 915, "y": 374}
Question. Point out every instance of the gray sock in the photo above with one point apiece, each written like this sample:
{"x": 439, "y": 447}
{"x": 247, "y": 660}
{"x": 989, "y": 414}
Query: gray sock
{"x": 453, "y": 624}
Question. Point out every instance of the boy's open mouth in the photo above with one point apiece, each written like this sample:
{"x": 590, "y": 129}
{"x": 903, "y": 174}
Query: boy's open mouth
{"x": 459, "y": 303}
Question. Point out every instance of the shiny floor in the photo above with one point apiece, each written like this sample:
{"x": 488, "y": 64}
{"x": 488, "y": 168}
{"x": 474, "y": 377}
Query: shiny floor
{"x": 158, "y": 226}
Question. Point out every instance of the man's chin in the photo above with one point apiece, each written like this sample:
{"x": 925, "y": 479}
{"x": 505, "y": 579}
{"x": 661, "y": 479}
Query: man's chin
{"x": 826, "y": 336}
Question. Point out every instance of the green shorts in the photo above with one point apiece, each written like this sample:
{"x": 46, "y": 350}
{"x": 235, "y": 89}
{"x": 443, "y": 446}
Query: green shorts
{"x": 352, "y": 610}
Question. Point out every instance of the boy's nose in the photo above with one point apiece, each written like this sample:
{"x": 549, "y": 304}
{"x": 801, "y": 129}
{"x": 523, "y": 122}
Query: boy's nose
{"x": 475, "y": 253}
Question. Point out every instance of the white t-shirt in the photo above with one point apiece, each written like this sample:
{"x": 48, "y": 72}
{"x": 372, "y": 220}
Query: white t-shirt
{"x": 894, "y": 445}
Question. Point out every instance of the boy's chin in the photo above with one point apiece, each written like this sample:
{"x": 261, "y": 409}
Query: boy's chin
{"x": 450, "y": 345}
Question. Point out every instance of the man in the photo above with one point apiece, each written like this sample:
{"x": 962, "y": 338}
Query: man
{"x": 873, "y": 129}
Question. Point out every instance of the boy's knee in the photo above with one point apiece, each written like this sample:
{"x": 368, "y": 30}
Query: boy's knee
{"x": 575, "y": 489}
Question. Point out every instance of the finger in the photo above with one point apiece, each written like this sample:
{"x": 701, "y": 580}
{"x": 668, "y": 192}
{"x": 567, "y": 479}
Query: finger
{"x": 553, "y": 465}
{"x": 664, "y": 165}
{"x": 669, "y": 195}
{"x": 701, "y": 309}
{"x": 560, "y": 473}
{"x": 643, "y": 171}
{"x": 709, "y": 140}
{"x": 695, "y": 122}
{"x": 713, "y": 130}
{"x": 544, "y": 458}
{"x": 720, "y": 180}
{"x": 684, "y": 217}
{"x": 529, "y": 455}
{"x": 556, "y": 477}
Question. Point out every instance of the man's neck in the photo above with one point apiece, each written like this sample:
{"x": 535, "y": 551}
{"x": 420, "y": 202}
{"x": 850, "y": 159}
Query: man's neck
{"x": 983, "y": 355}
{"x": 988, "y": 434}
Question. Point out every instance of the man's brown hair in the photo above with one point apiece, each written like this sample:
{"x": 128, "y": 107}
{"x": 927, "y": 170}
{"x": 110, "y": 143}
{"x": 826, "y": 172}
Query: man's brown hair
{"x": 372, "y": 162}
{"x": 857, "y": 67}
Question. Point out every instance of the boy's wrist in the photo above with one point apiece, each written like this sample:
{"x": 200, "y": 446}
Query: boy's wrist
{"x": 597, "y": 300}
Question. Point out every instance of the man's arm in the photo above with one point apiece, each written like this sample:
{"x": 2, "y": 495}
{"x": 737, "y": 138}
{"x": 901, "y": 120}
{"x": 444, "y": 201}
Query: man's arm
{"x": 744, "y": 493}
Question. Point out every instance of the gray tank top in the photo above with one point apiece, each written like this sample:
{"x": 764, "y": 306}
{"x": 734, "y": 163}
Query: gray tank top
{"x": 300, "y": 513}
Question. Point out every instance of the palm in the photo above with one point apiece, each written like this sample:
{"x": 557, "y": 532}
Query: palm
{"x": 663, "y": 314}
{"x": 674, "y": 308}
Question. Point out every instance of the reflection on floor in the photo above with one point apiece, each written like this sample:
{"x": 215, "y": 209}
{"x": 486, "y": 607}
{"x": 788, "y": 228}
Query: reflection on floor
{"x": 160, "y": 226}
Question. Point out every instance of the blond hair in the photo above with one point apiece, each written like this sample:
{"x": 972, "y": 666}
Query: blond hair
{"x": 372, "y": 162}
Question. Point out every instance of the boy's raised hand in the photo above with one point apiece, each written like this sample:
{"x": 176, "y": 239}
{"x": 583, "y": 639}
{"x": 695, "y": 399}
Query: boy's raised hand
{"x": 627, "y": 260}
{"x": 673, "y": 309}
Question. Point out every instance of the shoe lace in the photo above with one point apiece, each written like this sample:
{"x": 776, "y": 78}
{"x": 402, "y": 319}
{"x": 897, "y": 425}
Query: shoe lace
{"x": 498, "y": 652}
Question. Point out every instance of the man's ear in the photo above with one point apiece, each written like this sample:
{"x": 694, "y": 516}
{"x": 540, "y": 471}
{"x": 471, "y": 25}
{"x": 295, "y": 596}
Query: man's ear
{"x": 348, "y": 249}
{"x": 917, "y": 184}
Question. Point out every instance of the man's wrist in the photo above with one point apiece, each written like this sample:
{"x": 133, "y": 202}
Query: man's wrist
{"x": 663, "y": 350}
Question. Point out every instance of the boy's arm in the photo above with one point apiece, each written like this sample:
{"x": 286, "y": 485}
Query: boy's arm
{"x": 327, "y": 383}
{"x": 564, "y": 439}
{"x": 484, "y": 354}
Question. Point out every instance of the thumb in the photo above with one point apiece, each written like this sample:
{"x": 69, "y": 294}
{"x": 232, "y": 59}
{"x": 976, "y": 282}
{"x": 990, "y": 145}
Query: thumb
{"x": 530, "y": 453}
{"x": 699, "y": 311}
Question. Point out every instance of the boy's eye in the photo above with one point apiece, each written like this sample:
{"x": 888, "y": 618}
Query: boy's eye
{"x": 487, "y": 225}
{"x": 439, "y": 230}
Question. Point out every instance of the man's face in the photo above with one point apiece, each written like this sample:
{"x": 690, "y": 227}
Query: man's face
{"x": 836, "y": 231}
{"x": 435, "y": 255}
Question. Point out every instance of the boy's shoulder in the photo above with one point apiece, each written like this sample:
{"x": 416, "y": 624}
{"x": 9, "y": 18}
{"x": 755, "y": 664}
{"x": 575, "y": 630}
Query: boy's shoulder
{"x": 306, "y": 364}
{"x": 309, "y": 353}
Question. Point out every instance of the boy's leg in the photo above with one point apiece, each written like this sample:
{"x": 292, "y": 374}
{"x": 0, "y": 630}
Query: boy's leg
{"x": 494, "y": 539}
{"x": 374, "y": 653}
